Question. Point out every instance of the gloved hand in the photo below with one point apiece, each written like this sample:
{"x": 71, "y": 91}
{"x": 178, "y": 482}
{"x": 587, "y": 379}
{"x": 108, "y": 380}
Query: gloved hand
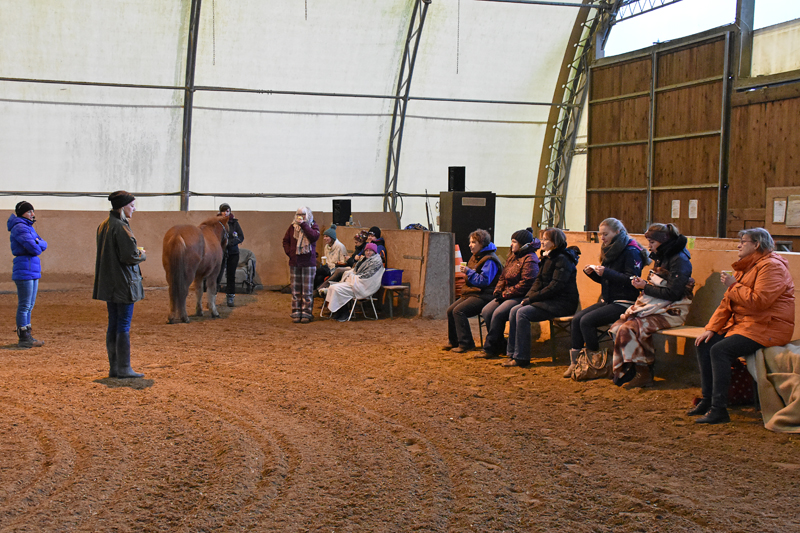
{"x": 499, "y": 298}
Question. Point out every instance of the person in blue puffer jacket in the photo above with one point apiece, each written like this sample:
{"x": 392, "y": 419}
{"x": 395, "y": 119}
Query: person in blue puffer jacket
{"x": 26, "y": 246}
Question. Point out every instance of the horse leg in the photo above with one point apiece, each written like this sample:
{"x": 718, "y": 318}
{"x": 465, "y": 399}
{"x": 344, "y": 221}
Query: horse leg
{"x": 211, "y": 289}
{"x": 198, "y": 290}
{"x": 171, "y": 319}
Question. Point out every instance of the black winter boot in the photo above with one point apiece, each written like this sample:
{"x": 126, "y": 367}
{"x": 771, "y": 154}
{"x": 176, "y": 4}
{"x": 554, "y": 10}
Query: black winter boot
{"x": 111, "y": 348}
{"x": 26, "y": 340}
{"x": 124, "y": 369}
{"x": 36, "y": 343}
{"x": 717, "y": 415}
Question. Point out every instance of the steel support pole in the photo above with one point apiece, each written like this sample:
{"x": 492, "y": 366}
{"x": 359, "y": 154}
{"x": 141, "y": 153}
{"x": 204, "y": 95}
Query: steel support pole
{"x": 724, "y": 139}
{"x": 188, "y": 102}
{"x": 401, "y": 104}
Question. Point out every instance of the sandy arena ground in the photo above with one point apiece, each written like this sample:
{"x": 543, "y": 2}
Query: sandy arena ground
{"x": 251, "y": 422}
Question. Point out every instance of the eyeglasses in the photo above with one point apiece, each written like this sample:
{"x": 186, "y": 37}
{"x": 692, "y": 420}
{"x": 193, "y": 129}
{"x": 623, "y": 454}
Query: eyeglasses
{"x": 743, "y": 241}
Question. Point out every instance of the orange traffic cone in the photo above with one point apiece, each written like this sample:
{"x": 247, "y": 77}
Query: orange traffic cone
{"x": 461, "y": 278}
{"x": 459, "y": 259}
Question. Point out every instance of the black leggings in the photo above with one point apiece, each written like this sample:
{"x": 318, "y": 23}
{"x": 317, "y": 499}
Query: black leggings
{"x": 714, "y": 359}
{"x": 586, "y": 321}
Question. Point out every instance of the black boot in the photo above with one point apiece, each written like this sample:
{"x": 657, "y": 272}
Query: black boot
{"x": 124, "y": 369}
{"x": 717, "y": 415}
{"x": 701, "y": 408}
{"x": 36, "y": 343}
{"x": 26, "y": 340}
{"x": 111, "y": 348}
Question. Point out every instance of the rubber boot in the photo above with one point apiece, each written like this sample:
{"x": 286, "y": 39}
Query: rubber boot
{"x": 25, "y": 338}
{"x": 111, "y": 348}
{"x": 643, "y": 378}
{"x": 124, "y": 369}
{"x": 573, "y": 362}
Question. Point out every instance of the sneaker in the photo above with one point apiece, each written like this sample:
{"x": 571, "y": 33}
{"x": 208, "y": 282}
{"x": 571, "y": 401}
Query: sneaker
{"x": 296, "y": 319}
{"x": 230, "y": 300}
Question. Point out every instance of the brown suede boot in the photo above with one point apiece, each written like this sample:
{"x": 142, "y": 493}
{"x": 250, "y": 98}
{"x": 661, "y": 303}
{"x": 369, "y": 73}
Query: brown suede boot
{"x": 643, "y": 378}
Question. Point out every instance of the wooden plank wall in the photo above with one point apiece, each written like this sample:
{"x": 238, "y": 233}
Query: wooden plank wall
{"x": 686, "y": 138}
{"x": 764, "y": 152}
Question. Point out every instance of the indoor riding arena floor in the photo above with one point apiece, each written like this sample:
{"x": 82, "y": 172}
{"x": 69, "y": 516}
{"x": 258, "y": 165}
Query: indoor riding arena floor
{"x": 253, "y": 423}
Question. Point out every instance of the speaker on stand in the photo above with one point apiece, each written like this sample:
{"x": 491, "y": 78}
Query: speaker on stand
{"x": 456, "y": 179}
{"x": 341, "y": 212}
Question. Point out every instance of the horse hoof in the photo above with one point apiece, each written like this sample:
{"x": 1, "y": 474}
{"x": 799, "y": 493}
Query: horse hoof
{"x": 214, "y": 315}
{"x": 186, "y": 320}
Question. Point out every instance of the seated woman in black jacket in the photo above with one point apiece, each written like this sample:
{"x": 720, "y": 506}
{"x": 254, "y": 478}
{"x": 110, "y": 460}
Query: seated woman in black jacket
{"x": 663, "y": 303}
{"x": 621, "y": 258}
{"x": 554, "y": 293}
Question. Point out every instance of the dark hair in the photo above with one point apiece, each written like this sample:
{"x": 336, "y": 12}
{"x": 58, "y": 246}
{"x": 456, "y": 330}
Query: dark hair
{"x": 662, "y": 232}
{"x": 761, "y": 237}
{"x": 555, "y": 235}
{"x": 481, "y": 236}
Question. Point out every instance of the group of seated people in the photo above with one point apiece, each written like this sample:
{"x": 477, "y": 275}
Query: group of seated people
{"x": 341, "y": 278}
{"x": 756, "y": 311}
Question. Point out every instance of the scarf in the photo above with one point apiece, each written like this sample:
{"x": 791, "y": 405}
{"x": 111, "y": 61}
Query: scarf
{"x": 303, "y": 245}
{"x": 609, "y": 253}
{"x": 369, "y": 266}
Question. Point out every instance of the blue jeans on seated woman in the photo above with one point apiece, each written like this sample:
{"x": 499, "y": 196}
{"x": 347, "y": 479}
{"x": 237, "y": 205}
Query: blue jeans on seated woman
{"x": 119, "y": 317}
{"x": 495, "y": 315}
{"x": 519, "y": 330}
{"x": 26, "y": 296}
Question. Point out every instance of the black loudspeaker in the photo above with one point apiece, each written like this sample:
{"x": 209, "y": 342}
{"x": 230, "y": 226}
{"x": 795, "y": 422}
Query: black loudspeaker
{"x": 341, "y": 212}
{"x": 456, "y": 177}
{"x": 464, "y": 212}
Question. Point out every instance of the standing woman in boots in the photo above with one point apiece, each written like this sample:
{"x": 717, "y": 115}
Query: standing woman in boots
{"x": 26, "y": 245}
{"x": 300, "y": 246}
{"x": 118, "y": 281}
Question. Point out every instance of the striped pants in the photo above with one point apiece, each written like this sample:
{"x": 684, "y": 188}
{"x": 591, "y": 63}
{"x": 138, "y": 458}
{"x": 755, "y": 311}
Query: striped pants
{"x": 302, "y": 282}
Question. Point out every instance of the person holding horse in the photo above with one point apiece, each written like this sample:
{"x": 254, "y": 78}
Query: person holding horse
{"x": 230, "y": 258}
{"x": 300, "y": 245}
{"x": 26, "y": 246}
{"x": 118, "y": 280}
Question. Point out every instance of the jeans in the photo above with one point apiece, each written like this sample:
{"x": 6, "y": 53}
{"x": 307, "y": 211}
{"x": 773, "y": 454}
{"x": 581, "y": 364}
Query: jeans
{"x": 119, "y": 318}
{"x": 458, "y": 331}
{"x": 495, "y": 315}
{"x": 714, "y": 359}
{"x": 519, "y": 331}
{"x": 26, "y": 296}
{"x": 586, "y": 321}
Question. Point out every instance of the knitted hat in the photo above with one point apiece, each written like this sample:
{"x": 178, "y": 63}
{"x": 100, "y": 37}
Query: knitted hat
{"x": 223, "y": 207}
{"x": 371, "y": 246}
{"x": 120, "y": 199}
{"x": 361, "y": 236}
{"x": 523, "y": 236}
{"x": 331, "y": 232}
{"x": 376, "y": 231}
{"x": 22, "y": 208}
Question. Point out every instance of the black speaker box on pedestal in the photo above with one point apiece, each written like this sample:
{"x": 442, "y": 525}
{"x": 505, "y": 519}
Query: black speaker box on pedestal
{"x": 341, "y": 212}
{"x": 456, "y": 178}
{"x": 464, "y": 212}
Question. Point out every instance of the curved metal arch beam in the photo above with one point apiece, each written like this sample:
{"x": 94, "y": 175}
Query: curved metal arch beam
{"x": 188, "y": 101}
{"x": 401, "y": 103}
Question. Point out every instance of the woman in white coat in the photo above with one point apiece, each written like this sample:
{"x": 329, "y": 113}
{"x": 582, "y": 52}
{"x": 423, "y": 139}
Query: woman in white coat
{"x": 361, "y": 282}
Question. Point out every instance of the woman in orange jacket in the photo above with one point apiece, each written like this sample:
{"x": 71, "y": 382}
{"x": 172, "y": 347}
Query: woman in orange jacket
{"x": 756, "y": 311}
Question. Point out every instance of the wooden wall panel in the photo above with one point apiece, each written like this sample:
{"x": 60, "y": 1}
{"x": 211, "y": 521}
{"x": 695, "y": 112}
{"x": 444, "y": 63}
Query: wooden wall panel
{"x": 624, "y": 78}
{"x": 706, "y": 222}
{"x": 695, "y": 62}
{"x": 764, "y": 151}
{"x": 689, "y": 110}
{"x": 629, "y": 207}
{"x": 680, "y": 162}
{"x": 619, "y": 120}
{"x": 617, "y": 166}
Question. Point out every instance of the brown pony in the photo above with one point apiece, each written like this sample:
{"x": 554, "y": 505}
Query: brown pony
{"x": 194, "y": 254}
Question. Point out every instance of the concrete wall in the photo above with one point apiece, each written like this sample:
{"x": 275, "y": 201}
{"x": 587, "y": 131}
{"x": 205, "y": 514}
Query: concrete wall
{"x": 69, "y": 259}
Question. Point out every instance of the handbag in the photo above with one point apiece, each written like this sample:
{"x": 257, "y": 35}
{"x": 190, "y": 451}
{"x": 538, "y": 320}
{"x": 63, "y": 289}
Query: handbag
{"x": 592, "y": 365}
